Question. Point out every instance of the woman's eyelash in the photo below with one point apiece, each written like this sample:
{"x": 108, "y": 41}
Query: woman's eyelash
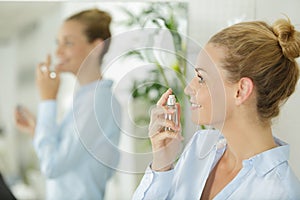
{"x": 201, "y": 79}
{"x": 68, "y": 43}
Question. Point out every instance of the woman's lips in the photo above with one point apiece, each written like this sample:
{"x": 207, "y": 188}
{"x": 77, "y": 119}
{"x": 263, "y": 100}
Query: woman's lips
{"x": 195, "y": 106}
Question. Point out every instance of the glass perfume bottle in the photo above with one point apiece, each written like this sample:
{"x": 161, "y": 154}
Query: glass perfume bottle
{"x": 171, "y": 104}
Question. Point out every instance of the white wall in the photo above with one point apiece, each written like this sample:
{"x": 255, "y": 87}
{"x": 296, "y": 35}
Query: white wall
{"x": 19, "y": 57}
{"x": 287, "y": 125}
{"x": 8, "y": 90}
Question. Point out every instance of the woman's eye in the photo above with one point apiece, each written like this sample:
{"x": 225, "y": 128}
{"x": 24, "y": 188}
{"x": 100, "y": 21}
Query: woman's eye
{"x": 201, "y": 79}
{"x": 68, "y": 43}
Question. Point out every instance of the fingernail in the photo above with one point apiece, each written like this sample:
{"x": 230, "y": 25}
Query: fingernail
{"x": 43, "y": 68}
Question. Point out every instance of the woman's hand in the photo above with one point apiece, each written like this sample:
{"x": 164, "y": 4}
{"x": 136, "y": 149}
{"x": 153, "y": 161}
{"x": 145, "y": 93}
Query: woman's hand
{"x": 25, "y": 120}
{"x": 165, "y": 142}
{"x": 47, "y": 81}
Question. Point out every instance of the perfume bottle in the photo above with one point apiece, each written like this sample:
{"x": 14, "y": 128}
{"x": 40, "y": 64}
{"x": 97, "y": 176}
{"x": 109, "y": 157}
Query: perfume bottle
{"x": 171, "y": 104}
{"x": 51, "y": 68}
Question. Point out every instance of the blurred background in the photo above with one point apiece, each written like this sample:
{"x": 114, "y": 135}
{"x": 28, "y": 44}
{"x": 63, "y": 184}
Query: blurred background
{"x": 28, "y": 32}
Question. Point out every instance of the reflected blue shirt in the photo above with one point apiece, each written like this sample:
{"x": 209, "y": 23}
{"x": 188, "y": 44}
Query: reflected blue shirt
{"x": 264, "y": 176}
{"x": 79, "y": 155}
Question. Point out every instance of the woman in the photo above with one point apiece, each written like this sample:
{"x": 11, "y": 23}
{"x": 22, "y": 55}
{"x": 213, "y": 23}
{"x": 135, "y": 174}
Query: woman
{"x": 77, "y": 156}
{"x": 244, "y": 73}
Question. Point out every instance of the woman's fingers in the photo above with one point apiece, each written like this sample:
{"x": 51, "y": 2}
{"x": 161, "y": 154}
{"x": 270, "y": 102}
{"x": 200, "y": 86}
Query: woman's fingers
{"x": 162, "y": 124}
{"x": 23, "y": 115}
{"x": 167, "y": 135}
{"x": 178, "y": 112}
{"x": 158, "y": 120}
{"x": 48, "y": 60}
{"x": 20, "y": 120}
{"x": 163, "y": 99}
{"x": 44, "y": 67}
{"x": 25, "y": 120}
{"x": 42, "y": 70}
{"x": 160, "y": 112}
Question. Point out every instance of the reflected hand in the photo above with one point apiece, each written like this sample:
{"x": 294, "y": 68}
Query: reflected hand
{"x": 47, "y": 81}
{"x": 25, "y": 120}
{"x": 165, "y": 143}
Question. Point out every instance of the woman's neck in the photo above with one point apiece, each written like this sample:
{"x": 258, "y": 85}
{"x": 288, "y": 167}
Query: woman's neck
{"x": 88, "y": 74}
{"x": 246, "y": 139}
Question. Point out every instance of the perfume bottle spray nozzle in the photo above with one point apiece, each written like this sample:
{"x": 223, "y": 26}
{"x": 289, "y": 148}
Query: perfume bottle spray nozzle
{"x": 171, "y": 100}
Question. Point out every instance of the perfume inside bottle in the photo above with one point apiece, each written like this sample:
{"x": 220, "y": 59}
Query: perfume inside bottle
{"x": 171, "y": 104}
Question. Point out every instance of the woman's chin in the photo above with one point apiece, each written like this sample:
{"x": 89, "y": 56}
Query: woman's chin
{"x": 62, "y": 68}
{"x": 201, "y": 122}
{"x": 197, "y": 121}
{"x": 59, "y": 68}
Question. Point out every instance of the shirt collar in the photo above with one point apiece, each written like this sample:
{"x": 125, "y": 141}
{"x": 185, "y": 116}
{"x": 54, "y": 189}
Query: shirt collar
{"x": 263, "y": 162}
{"x": 268, "y": 160}
{"x": 210, "y": 140}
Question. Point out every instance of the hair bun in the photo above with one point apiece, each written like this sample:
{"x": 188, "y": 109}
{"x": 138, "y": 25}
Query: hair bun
{"x": 103, "y": 15}
{"x": 288, "y": 37}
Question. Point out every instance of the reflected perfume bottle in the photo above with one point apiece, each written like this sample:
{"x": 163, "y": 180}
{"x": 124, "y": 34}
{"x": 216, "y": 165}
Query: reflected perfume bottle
{"x": 53, "y": 61}
{"x": 171, "y": 104}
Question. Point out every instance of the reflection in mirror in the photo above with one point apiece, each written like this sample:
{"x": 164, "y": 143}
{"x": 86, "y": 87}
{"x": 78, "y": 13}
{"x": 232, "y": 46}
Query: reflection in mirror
{"x": 37, "y": 31}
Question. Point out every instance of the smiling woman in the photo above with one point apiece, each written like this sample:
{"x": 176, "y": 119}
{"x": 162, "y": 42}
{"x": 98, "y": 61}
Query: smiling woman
{"x": 79, "y": 35}
{"x": 243, "y": 74}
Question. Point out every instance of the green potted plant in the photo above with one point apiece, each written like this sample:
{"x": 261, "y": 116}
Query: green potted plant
{"x": 164, "y": 17}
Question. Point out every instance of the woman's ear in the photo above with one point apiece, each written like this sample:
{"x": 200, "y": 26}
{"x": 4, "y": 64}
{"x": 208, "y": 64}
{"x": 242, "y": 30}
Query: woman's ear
{"x": 98, "y": 45}
{"x": 97, "y": 42}
{"x": 244, "y": 90}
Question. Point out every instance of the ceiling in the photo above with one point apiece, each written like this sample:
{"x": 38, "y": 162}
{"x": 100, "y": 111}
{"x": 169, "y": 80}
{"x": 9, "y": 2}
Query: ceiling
{"x": 15, "y": 16}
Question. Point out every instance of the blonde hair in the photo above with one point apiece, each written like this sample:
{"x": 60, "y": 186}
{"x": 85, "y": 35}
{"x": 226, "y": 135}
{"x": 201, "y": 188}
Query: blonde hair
{"x": 96, "y": 24}
{"x": 266, "y": 54}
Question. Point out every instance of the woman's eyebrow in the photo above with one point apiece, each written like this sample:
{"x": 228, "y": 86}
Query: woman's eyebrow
{"x": 197, "y": 69}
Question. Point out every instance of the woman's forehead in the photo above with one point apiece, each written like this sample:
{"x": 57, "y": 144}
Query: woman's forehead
{"x": 209, "y": 59}
{"x": 71, "y": 28}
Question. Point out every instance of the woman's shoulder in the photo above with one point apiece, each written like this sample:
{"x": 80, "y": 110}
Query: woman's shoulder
{"x": 279, "y": 183}
{"x": 287, "y": 180}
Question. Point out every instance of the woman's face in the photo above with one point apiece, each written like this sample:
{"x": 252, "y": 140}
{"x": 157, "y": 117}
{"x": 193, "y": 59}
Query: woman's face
{"x": 72, "y": 46}
{"x": 209, "y": 93}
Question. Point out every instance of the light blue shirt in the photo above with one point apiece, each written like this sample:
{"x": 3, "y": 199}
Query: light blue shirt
{"x": 78, "y": 155}
{"x": 264, "y": 176}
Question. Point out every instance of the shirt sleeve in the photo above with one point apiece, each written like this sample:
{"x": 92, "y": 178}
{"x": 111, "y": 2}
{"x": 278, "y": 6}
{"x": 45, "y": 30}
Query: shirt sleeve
{"x": 154, "y": 185}
{"x": 46, "y": 139}
{"x": 58, "y": 149}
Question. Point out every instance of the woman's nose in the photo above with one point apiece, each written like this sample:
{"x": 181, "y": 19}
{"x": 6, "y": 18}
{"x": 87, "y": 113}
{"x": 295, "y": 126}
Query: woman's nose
{"x": 188, "y": 90}
{"x": 59, "y": 50}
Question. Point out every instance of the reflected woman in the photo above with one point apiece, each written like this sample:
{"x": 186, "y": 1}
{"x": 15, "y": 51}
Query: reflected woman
{"x": 77, "y": 155}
